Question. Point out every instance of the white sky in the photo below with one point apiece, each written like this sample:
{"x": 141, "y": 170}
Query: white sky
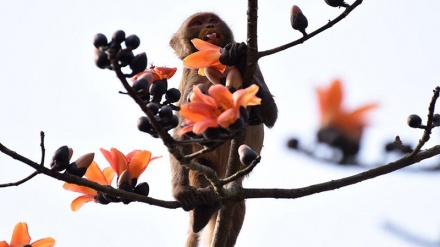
{"x": 385, "y": 51}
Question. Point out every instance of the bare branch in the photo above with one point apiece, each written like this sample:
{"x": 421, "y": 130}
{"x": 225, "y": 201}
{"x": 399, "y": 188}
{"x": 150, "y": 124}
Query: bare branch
{"x": 19, "y": 181}
{"x": 84, "y": 182}
{"x": 312, "y": 34}
{"x": 336, "y": 184}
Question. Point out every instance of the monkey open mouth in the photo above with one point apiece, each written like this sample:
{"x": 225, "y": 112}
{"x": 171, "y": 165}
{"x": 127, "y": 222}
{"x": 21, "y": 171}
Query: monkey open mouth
{"x": 211, "y": 37}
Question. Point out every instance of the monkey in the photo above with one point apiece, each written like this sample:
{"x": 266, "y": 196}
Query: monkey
{"x": 189, "y": 187}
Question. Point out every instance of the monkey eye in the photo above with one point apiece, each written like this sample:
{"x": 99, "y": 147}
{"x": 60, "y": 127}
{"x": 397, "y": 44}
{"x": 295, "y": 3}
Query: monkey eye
{"x": 213, "y": 20}
{"x": 195, "y": 23}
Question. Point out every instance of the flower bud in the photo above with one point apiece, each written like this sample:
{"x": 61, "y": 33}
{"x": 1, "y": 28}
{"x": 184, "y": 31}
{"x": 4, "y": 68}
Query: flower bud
{"x": 414, "y": 121}
{"x": 99, "y": 40}
{"x": 159, "y": 87}
{"x": 436, "y": 120}
{"x": 132, "y": 42}
{"x": 246, "y": 154}
{"x": 298, "y": 20}
{"x": 125, "y": 57}
{"x": 79, "y": 167}
{"x": 142, "y": 189}
{"x": 61, "y": 158}
{"x": 165, "y": 114}
{"x": 141, "y": 87}
{"x": 172, "y": 95}
{"x": 139, "y": 63}
{"x": 337, "y": 3}
{"x": 118, "y": 37}
{"x": 101, "y": 199}
{"x": 124, "y": 183}
{"x": 101, "y": 59}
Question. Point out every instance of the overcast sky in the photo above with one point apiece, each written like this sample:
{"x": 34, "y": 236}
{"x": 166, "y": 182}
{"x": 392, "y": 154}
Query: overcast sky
{"x": 385, "y": 51}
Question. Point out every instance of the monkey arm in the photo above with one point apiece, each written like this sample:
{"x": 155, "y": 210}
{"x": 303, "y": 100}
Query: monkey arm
{"x": 234, "y": 54}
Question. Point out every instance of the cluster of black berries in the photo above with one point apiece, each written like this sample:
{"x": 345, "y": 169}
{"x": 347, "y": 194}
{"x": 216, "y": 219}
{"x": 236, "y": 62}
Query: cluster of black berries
{"x": 414, "y": 121}
{"x": 61, "y": 161}
{"x": 126, "y": 185}
{"x": 150, "y": 90}
{"x": 163, "y": 115}
{"x": 106, "y": 52}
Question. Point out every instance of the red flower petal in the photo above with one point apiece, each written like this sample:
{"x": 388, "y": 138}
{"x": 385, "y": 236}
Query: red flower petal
{"x": 20, "y": 235}
{"x": 45, "y": 242}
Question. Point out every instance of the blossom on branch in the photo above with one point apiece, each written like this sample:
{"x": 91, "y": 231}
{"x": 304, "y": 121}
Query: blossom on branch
{"x": 134, "y": 162}
{"x": 219, "y": 108}
{"x": 157, "y": 73}
{"x": 207, "y": 57}
{"x": 339, "y": 127}
{"x": 94, "y": 174}
{"x": 20, "y": 238}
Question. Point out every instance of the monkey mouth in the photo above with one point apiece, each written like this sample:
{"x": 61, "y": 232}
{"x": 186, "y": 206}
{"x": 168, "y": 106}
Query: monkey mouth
{"x": 211, "y": 37}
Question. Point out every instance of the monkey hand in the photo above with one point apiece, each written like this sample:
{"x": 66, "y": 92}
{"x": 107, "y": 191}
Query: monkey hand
{"x": 207, "y": 196}
{"x": 203, "y": 212}
{"x": 186, "y": 196}
{"x": 234, "y": 54}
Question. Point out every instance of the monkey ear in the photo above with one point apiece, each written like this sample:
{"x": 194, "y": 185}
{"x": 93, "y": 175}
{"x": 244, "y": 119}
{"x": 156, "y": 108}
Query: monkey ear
{"x": 173, "y": 42}
{"x": 179, "y": 45}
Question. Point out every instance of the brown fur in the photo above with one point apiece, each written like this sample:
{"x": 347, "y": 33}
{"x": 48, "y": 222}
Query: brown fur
{"x": 188, "y": 186}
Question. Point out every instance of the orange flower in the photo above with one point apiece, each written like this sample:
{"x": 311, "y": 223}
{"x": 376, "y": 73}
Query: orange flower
{"x": 158, "y": 73}
{"x": 207, "y": 56}
{"x": 351, "y": 123}
{"x": 135, "y": 162}
{"x": 94, "y": 174}
{"x": 219, "y": 108}
{"x": 20, "y": 238}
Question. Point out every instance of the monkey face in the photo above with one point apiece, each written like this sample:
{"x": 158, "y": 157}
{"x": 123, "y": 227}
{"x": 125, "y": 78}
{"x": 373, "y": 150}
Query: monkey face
{"x": 206, "y": 26}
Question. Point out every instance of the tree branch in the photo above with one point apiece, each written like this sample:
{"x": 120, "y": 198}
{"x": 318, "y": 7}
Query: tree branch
{"x": 35, "y": 173}
{"x": 339, "y": 183}
{"x": 87, "y": 183}
{"x": 312, "y": 34}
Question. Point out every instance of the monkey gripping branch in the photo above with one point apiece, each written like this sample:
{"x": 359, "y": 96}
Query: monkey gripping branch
{"x": 209, "y": 119}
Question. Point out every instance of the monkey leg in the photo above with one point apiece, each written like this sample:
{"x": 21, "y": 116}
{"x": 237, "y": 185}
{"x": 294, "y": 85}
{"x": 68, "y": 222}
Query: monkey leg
{"x": 235, "y": 226}
{"x": 234, "y": 79}
{"x": 237, "y": 223}
{"x": 201, "y": 214}
{"x": 193, "y": 237}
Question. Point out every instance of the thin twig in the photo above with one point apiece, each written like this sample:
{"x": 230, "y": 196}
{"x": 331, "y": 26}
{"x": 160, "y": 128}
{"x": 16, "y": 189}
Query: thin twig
{"x": 242, "y": 172}
{"x": 43, "y": 150}
{"x": 203, "y": 151}
{"x": 21, "y": 181}
{"x": 312, "y": 34}
{"x": 429, "y": 125}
